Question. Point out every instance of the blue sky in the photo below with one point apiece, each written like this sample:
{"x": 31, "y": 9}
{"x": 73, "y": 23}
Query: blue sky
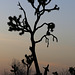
{"x": 14, "y": 46}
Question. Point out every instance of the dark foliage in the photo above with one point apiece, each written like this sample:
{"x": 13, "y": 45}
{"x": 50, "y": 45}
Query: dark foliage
{"x": 72, "y": 70}
{"x": 55, "y": 73}
{"x": 18, "y": 68}
{"x": 28, "y": 62}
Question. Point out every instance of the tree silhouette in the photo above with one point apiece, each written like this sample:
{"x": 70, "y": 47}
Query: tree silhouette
{"x": 15, "y": 24}
{"x": 17, "y": 68}
{"x": 29, "y": 60}
{"x": 46, "y": 69}
{"x": 14, "y": 69}
{"x": 72, "y": 70}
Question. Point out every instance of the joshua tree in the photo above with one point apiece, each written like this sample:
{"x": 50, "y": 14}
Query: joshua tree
{"x": 15, "y": 69}
{"x": 24, "y": 26}
{"x": 29, "y": 60}
{"x": 46, "y": 69}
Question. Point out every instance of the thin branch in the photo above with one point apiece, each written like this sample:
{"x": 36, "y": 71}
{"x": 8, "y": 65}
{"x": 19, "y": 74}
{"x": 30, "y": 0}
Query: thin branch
{"x": 54, "y": 37}
{"x": 37, "y": 20}
{"x": 21, "y": 8}
{"x": 49, "y": 10}
{"x": 33, "y": 6}
{"x": 47, "y": 40}
{"x": 48, "y": 2}
{"x": 41, "y": 39}
{"x": 41, "y": 26}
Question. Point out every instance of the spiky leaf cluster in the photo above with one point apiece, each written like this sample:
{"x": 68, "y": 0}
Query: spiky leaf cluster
{"x": 14, "y": 68}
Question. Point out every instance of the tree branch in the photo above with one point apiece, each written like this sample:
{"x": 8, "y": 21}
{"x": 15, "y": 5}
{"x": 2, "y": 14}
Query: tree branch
{"x": 41, "y": 26}
{"x": 37, "y": 20}
{"x": 48, "y": 2}
{"x": 41, "y": 39}
{"x": 45, "y": 36}
{"x": 32, "y": 3}
{"x": 54, "y": 37}
{"x": 49, "y": 10}
{"x": 21, "y": 8}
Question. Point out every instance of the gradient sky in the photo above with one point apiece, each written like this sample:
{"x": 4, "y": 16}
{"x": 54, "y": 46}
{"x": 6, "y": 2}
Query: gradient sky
{"x": 14, "y": 46}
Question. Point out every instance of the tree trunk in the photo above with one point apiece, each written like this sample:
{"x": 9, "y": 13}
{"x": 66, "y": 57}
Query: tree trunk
{"x": 27, "y": 70}
{"x": 34, "y": 56}
{"x": 36, "y": 63}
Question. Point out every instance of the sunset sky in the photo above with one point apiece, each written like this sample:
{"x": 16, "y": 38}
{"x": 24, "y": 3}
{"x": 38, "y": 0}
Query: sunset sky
{"x": 12, "y": 45}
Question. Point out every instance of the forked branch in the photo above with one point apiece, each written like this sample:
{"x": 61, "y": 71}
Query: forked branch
{"x": 47, "y": 39}
{"x": 42, "y": 11}
{"x": 21, "y": 8}
{"x": 49, "y": 10}
{"x": 54, "y": 37}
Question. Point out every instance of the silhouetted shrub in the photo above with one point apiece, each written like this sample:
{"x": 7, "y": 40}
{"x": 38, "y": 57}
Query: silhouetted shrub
{"x": 18, "y": 68}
